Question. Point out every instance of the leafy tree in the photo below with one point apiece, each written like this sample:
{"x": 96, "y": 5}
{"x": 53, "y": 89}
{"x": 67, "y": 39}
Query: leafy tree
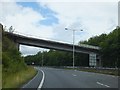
{"x": 11, "y": 57}
{"x": 110, "y": 47}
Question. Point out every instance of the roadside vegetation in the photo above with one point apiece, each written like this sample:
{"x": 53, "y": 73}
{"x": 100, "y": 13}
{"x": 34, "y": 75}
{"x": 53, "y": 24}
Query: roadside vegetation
{"x": 0, "y": 76}
{"x": 109, "y": 71}
{"x": 101, "y": 71}
{"x": 17, "y": 79}
{"x": 14, "y": 71}
{"x": 110, "y": 49}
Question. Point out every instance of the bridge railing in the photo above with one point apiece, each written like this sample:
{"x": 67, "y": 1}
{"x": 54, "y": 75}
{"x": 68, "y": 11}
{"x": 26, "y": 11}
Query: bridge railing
{"x": 89, "y": 46}
{"x": 35, "y": 36}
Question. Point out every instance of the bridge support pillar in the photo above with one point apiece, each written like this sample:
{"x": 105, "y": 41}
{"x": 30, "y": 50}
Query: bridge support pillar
{"x": 17, "y": 45}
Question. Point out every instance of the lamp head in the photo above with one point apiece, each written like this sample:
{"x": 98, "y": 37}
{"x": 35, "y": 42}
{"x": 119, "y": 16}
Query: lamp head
{"x": 66, "y": 28}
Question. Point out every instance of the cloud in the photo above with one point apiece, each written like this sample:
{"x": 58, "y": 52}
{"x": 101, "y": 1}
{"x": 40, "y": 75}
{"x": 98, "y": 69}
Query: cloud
{"x": 28, "y": 50}
{"x": 25, "y": 21}
{"x": 93, "y": 17}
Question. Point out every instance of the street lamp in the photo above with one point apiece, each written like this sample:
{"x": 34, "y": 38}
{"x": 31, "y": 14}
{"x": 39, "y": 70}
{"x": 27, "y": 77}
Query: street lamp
{"x": 73, "y": 44}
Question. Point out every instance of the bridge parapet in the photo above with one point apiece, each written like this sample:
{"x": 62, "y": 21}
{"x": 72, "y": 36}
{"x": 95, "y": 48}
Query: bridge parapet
{"x": 89, "y": 46}
{"x": 30, "y": 41}
{"x": 54, "y": 41}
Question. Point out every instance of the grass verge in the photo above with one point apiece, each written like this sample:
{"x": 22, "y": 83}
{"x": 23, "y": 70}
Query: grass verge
{"x": 109, "y": 72}
{"x": 16, "y": 80}
{"x": 0, "y": 76}
{"x": 96, "y": 70}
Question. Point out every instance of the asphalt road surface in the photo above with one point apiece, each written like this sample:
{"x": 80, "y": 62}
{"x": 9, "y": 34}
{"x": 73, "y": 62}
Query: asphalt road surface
{"x": 61, "y": 78}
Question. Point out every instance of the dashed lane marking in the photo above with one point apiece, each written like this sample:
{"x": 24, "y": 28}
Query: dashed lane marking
{"x": 102, "y": 84}
{"x": 74, "y": 75}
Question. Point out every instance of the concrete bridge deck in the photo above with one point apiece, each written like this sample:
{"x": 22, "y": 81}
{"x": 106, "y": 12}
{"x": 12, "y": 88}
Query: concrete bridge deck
{"x": 24, "y": 40}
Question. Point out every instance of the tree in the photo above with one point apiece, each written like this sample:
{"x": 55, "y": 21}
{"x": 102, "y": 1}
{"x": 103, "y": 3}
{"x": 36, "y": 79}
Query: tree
{"x": 110, "y": 46}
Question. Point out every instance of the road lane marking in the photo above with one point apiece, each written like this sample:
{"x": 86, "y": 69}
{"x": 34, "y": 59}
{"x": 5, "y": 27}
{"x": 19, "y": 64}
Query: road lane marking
{"x": 75, "y": 70}
{"x": 74, "y": 75}
{"x": 107, "y": 86}
{"x": 102, "y": 84}
{"x": 42, "y": 81}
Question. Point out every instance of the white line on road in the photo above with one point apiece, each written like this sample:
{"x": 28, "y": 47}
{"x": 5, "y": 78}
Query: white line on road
{"x": 102, "y": 84}
{"x": 74, "y": 75}
{"x": 42, "y": 81}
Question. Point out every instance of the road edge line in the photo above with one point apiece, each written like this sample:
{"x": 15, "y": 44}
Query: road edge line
{"x": 42, "y": 81}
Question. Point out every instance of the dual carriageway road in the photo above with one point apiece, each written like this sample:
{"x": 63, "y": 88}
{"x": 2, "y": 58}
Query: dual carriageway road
{"x": 62, "y": 78}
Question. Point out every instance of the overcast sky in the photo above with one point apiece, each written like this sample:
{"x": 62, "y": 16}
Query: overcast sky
{"x": 47, "y": 19}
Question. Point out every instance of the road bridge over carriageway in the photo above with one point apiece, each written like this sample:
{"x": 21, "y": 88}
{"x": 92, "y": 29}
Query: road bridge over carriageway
{"x": 93, "y": 51}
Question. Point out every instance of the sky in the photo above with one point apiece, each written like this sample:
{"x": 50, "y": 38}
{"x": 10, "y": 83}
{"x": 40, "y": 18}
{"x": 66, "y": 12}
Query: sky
{"x": 47, "y": 19}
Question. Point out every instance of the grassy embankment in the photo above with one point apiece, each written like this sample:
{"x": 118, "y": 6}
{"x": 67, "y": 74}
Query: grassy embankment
{"x": 15, "y": 72}
{"x": 0, "y": 76}
{"x": 16, "y": 80}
